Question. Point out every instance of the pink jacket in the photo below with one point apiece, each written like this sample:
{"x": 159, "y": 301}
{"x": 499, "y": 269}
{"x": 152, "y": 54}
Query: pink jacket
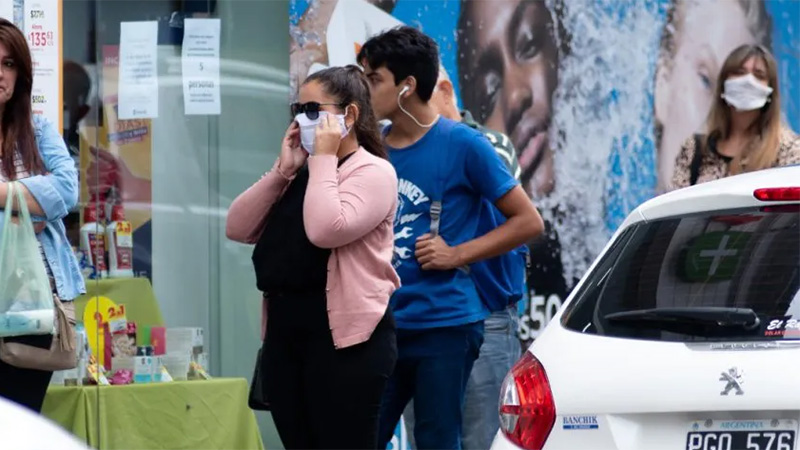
{"x": 350, "y": 210}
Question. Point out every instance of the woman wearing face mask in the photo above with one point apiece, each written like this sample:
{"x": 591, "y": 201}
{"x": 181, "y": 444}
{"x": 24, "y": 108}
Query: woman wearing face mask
{"x": 322, "y": 222}
{"x": 744, "y": 126}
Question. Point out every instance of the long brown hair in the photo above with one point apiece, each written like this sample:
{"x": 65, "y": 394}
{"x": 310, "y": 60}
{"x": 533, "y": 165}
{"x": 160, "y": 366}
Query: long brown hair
{"x": 17, "y": 124}
{"x": 350, "y": 87}
{"x": 763, "y": 150}
{"x": 757, "y": 20}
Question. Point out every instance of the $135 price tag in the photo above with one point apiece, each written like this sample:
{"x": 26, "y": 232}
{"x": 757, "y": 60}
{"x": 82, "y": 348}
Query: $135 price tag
{"x": 41, "y": 38}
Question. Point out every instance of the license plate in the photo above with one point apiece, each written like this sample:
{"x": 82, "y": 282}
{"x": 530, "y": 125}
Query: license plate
{"x": 742, "y": 435}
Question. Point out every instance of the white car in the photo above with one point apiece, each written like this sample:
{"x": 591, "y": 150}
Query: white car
{"x": 22, "y": 429}
{"x": 683, "y": 334}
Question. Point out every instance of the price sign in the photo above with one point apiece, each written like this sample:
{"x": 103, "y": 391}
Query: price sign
{"x": 101, "y": 310}
{"x": 124, "y": 234}
{"x": 42, "y": 27}
{"x": 124, "y": 228}
{"x": 38, "y": 39}
{"x": 117, "y": 321}
{"x": 116, "y": 312}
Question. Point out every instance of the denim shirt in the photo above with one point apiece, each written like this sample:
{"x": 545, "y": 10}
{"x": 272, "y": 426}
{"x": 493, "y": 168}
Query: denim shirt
{"x": 57, "y": 194}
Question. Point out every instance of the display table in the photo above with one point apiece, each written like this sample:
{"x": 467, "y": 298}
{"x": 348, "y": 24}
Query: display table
{"x": 210, "y": 414}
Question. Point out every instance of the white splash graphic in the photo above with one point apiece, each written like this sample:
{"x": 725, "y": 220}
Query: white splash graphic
{"x": 406, "y": 218}
{"x": 611, "y": 44}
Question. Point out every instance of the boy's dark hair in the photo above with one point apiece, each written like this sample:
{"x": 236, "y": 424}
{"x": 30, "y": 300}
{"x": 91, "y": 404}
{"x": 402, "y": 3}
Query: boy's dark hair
{"x": 405, "y": 51}
{"x": 349, "y": 86}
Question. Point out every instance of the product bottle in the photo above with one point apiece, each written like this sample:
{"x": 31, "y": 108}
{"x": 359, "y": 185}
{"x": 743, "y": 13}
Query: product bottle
{"x": 119, "y": 237}
{"x": 93, "y": 243}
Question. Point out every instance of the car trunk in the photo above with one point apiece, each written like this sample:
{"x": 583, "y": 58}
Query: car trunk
{"x": 646, "y": 395}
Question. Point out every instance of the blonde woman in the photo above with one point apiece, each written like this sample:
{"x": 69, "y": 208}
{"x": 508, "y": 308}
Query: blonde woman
{"x": 688, "y": 66}
{"x": 744, "y": 126}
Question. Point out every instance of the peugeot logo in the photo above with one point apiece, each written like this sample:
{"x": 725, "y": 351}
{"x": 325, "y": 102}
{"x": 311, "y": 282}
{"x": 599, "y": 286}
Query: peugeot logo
{"x": 733, "y": 381}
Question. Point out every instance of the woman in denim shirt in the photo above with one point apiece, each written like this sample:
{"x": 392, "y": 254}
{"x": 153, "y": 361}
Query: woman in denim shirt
{"x": 33, "y": 153}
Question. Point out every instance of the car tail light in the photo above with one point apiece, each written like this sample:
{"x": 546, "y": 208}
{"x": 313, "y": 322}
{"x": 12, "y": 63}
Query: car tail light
{"x": 778, "y": 194}
{"x": 527, "y": 409}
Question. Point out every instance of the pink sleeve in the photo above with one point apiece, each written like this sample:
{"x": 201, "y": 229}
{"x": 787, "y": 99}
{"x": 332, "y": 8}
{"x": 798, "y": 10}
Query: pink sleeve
{"x": 337, "y": 214}
{"x": 248, "y": 212}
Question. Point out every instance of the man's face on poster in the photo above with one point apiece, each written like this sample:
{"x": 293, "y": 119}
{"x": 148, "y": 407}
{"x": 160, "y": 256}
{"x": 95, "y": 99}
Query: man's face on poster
{"x": 508, "y": 51}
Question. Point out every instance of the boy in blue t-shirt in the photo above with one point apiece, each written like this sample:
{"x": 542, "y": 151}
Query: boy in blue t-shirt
{"x": 438, "y": 311}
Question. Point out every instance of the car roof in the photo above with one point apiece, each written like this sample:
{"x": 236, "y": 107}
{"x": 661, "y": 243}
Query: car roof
{"x": 727, "y": 193}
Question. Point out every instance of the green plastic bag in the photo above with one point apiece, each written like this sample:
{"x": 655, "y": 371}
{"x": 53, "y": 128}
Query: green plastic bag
{"x": 26, "y": 297}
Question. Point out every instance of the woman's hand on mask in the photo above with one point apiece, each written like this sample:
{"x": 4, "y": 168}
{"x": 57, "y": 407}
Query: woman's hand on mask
{"x": 292, "y": 155}
{"x": 328, "y": 137}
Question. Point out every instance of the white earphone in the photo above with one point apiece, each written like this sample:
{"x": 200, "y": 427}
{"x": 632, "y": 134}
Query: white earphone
{"x": 403, "y": 91}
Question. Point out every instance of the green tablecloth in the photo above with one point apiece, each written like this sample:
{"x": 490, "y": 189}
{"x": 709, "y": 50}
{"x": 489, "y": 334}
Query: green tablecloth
{"x": 211, "y": 414}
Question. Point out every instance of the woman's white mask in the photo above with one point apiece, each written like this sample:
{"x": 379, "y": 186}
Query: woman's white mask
{"x": 746, "y": 93}
{"x": 308, "y": 128}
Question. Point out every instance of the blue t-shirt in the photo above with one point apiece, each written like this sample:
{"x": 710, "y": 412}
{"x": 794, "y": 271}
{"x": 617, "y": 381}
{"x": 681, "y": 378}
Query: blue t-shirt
{"x": 472, "y": 171}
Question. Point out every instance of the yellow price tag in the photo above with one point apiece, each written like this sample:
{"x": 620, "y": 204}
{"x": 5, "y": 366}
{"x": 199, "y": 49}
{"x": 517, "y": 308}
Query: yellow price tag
{"x": 124, "y": 234}
{"x": 99, "y": 311}
{"x": 124, "y": 228}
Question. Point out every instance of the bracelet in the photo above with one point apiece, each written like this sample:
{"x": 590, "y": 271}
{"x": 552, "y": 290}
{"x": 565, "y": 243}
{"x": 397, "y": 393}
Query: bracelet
{"x": 280, "y": 172}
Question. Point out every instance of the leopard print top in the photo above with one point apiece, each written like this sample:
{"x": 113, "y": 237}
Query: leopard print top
{"x": 715, "y": 166}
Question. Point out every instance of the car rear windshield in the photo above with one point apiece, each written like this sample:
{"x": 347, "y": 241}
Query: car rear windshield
{"x": 716, "y": 261}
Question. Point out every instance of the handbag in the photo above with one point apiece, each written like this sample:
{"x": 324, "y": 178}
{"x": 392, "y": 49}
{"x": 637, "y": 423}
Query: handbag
{"x": 257, "y": 398}
{"x": 26, "y": 297}
{"x": 62, "y": 354}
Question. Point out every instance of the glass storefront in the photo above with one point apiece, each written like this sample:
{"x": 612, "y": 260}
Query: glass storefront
{"x": 166, "y": 289}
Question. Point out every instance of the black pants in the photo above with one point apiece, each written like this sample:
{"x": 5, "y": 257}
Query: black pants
{"x": 322, "y": 397}
{"x": 26, "y": 387}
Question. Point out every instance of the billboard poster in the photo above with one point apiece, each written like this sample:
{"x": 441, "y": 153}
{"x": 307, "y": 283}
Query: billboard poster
{"x": 596, "y": 95}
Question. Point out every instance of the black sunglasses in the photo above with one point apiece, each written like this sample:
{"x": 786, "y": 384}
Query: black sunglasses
{"x": 311, "y": 109}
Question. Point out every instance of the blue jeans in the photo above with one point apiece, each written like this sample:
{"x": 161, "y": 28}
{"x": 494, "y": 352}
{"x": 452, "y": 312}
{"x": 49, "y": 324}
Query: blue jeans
{"x": 500, "y": 350}
{"x": 432, "y": 368}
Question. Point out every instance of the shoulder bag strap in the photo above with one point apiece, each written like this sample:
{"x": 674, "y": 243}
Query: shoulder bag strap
{"x": 439, "y": 185}
{"x": 697, "y": 160}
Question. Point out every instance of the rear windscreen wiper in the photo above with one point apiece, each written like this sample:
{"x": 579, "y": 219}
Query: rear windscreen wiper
{"x": 707, "y": 320}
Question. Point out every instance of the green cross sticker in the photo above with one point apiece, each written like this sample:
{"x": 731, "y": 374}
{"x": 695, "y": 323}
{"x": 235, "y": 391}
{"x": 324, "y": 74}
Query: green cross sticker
{"x": 714, "y": 256}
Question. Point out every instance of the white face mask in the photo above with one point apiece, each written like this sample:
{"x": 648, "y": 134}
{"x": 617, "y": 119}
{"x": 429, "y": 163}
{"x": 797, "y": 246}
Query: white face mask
{"x": 746, "y": 93}
{"x": 308, "y": 128}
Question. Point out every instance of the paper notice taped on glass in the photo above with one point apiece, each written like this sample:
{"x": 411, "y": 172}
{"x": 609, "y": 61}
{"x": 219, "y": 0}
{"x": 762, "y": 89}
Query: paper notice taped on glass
{"x": 138, "y": 70}
{"x": 200, "y": 64}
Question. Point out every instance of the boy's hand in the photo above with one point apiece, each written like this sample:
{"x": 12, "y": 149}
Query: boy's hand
{"x": 433, "y": 253}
